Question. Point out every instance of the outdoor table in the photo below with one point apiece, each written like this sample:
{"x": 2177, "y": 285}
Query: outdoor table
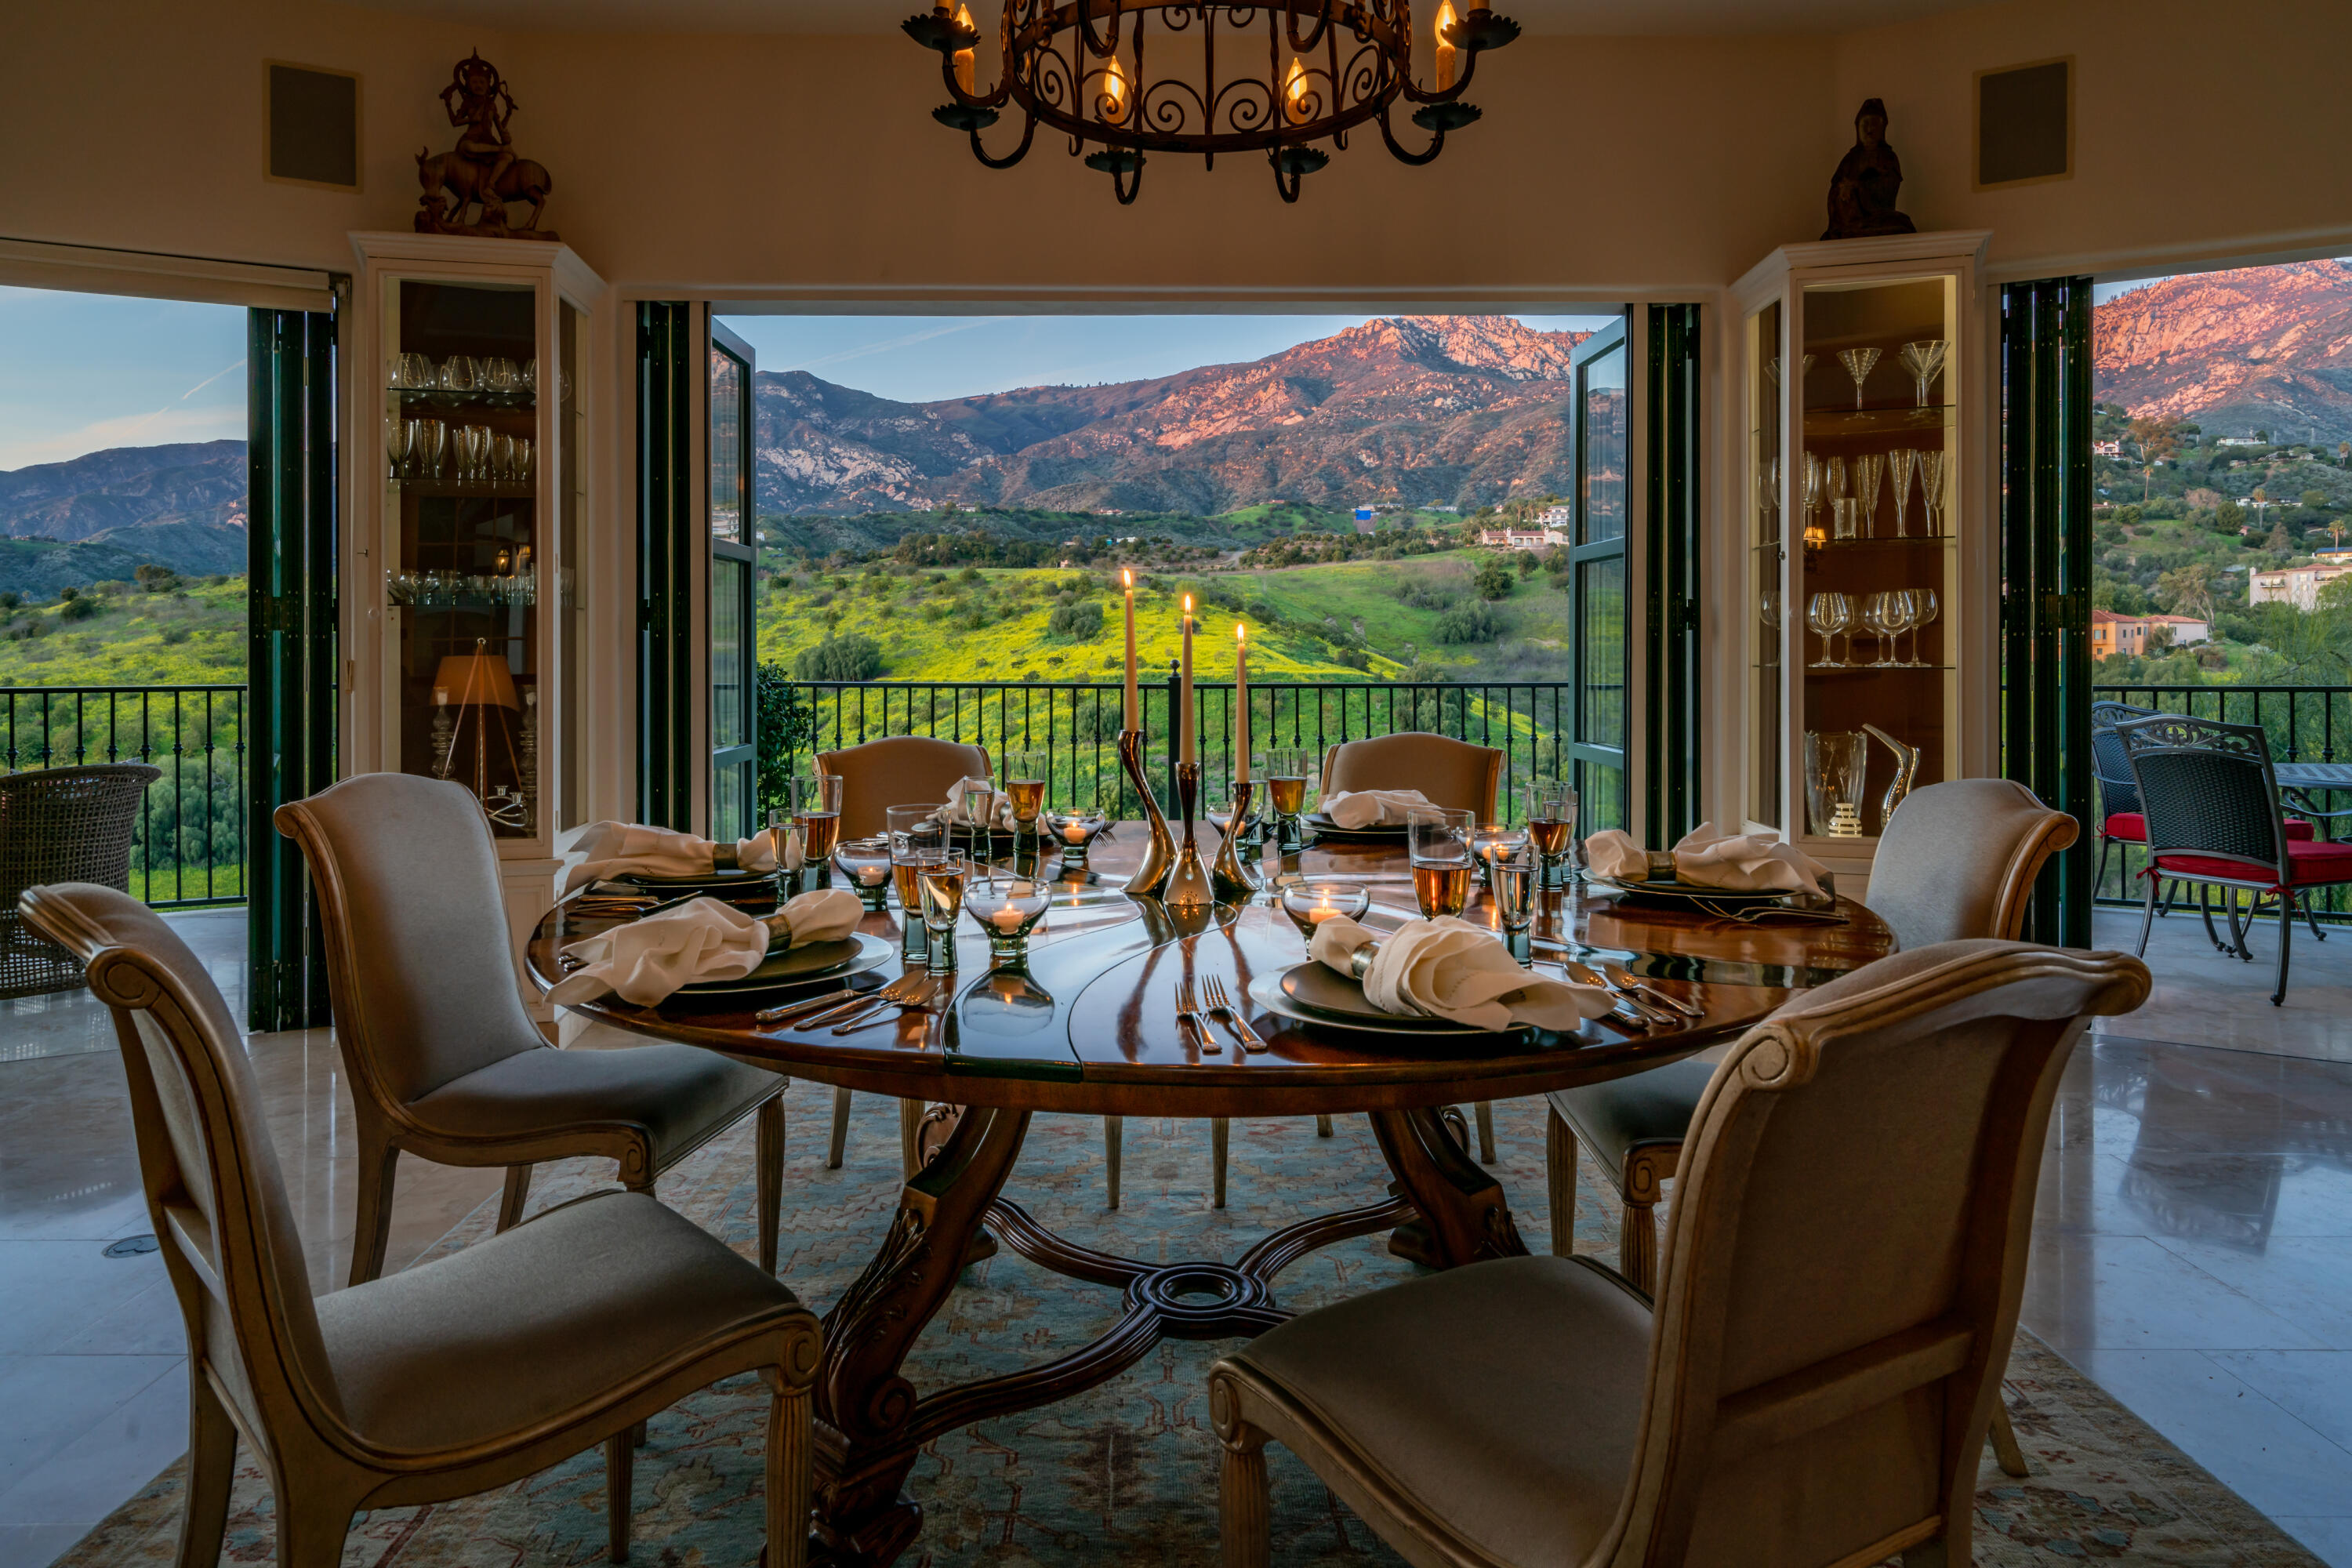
{"x": 2298, "y": 781}
{"x": 1089, "y": 1028}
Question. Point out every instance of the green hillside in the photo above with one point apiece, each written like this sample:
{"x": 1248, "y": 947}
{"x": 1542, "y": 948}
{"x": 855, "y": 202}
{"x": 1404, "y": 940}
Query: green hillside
{"x": 1355, "y": 620}
{"x": 191, "y": 633}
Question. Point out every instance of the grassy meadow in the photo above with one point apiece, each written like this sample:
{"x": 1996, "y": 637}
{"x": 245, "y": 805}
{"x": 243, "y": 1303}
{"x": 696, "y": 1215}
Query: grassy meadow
{"x": 1359, "y": 620}
{"x": 190, "y": 634}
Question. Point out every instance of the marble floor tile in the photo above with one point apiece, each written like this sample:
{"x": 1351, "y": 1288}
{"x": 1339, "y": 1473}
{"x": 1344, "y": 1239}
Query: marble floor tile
{"x": 2090, "y": 1293}
{"x": 53, "y": 1400}
{"x": 2253, "y": 1447}
{"x": 2314, "y": 1386}
{"x": 2329, "y": 1540}
{"x": 2206, "y": 998}
{"x": 88, "y": 1478}
{"x": 37, "y": 1545}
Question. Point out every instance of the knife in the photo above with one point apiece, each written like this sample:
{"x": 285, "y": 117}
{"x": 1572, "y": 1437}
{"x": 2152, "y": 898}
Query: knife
{"x": 1617, "y": 972}
{"x": 1584, "y": 974}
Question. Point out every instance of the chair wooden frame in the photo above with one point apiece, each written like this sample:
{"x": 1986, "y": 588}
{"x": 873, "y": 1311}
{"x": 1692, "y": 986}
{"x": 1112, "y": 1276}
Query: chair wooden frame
{"x": 253, "y": 1371}
{"x": 386, "y": 1126}
{"x": 1692, "y": 1427}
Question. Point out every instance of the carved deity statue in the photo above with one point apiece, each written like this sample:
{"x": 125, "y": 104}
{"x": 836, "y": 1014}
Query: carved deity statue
{"x": 1863, "y": 191}
{"x": 482, "y": 170}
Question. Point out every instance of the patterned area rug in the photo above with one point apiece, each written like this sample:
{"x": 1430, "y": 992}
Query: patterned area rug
{"x": 1127, "y": 1473}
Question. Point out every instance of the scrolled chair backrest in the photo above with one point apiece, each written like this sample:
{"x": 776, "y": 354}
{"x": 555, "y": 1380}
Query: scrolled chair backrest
{"x": 419, "y": 959}
{"x": 1957, "y": 860}
{"x": 2109, "y": 764}
{"x": 2208, "y": 788}
{"x": 1450, "y": 773}
{"x": 897, "y": 770}
{"x": 1845, "y": 1256}
{"x": 215, "y": 1192}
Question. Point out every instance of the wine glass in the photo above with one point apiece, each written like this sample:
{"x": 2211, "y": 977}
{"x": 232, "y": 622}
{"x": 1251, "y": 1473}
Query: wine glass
{"x": 1931, "y": 488}
{"x": 1903, "y": 463}
{"x": 1923, "y": 360}
{"x": 1906, "y": 618}
{"x": 1812, "y": 488}
{"x": 1768, "y": 493}
{"x": 399, "y": 435}
{"x": 1858, "y": 362}
{"x": 1551, "y": 823}
{"x": 1804, "y": 366}
{"x": 1926, "y": 607}
{"x": 431, "y": 439}
{"x": 1867, "y": 469}
{"x": 1830, "y": 613}
{"x": 459, "y": 374}
{"x": 1882, "y": 620}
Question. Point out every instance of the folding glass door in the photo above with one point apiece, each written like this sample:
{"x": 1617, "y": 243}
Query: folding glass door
{"x": 734, "y": 543}
{"x": 1597, "y": 582}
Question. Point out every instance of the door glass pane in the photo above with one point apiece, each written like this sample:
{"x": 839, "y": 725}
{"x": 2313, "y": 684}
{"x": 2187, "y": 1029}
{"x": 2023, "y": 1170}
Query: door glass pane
{"x": 1600, "y": 626}
{"x": 727, "y": 391}
{"x": 727, "y": 652}
{"x": 1601, "y": 419}
{"x": 1763, "y": 612}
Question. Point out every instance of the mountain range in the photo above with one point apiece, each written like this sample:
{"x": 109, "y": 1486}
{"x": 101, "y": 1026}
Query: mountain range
{"x": 103, "y": 514}
{"x": 2265, "y": 347}
{"x": 1434, "y": 411}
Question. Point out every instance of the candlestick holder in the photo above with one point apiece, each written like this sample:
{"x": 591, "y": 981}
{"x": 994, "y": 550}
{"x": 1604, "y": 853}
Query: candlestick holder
{"x": 1188, "y": 889}
{"x": 1232, "y": 881}
{"x": 1160, "y": 853}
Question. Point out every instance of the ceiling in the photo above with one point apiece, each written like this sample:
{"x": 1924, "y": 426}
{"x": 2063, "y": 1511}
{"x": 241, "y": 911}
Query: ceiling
{"x": 1599, "y": 17}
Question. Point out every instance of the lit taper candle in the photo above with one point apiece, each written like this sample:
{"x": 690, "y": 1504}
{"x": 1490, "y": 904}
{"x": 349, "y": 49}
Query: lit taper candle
{"x": 1134, "y": 695}
{"x": 1187, "y": 731}
{"x": 1241, "y": 704}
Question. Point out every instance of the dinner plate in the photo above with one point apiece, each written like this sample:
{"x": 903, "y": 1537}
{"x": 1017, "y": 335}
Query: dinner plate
{"x": 1313, "y": 993}
{"x": 1691, "y": 894}
{"x": 802, "y": 965}
{"x": 733, "y": 880}
{"x": 1328, "y": 828}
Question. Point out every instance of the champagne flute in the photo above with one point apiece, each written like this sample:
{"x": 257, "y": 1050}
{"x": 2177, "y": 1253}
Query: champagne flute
{"x": 1866, "y": 471}
{"x": 1858, "y": 362}
{"x": 1812, "y": 488}
{"x": 1903, "y": 464}
{"x": 1923, "y": 360}
{"x": 1931, "y": 487}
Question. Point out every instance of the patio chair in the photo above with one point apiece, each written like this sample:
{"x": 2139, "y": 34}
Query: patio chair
{"x": 2214, "y": 818}
{"x": 61, "y": 825}
{"x": 461, "y": 1374}
{"x": 1813, "y": 1381}
{"x": 443, "y": 1059}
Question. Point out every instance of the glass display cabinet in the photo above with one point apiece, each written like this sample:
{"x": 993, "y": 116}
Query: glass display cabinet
{"x": 467, "y": 528}
{"x": 1861, "y": 525}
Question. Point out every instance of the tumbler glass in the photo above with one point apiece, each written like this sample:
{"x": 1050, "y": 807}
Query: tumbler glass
{"x": 941, "y": 881}
{"x": 1438, "y": 839}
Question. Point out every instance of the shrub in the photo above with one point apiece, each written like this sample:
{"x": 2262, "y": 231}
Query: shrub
{"x": 1353, "y": 658}
{"x": 68, "y": 594}
{"x": 153, "y": 578}
{"x": 1077, "y": 622}
{"x": 1472, "y": 622}
{"x": 78, "y": 609}
{"x": 851, "y": 658}
{"x": 1493, "y": 578}
{"x": 175, "y": 636}
{"x": 785, "y": 724}
{"x": 10, "y": 600}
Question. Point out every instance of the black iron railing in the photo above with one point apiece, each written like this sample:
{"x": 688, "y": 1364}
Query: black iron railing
{"x": 2304, "y": 723}
{"x": 190, "y": 847}
{"x": 1075, "y": 726}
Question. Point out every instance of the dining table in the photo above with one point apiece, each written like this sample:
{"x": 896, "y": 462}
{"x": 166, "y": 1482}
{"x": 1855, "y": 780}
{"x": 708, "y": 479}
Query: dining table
{"x": 1086, "y": 1022}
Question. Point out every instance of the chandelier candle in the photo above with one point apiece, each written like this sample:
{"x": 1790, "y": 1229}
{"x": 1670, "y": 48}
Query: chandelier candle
{"x": 1241, "y": 704}
{"x": 1188, "y": 737}
{"x": 1134, "y": 695}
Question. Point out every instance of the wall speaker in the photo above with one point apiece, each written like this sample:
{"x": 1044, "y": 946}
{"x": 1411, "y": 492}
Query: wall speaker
{"x": 311, "y": 126}
{"x": 2025, "y": 123}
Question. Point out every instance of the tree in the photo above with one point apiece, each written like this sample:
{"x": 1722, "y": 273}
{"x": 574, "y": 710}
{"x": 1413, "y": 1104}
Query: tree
{"x": 851, "y": 658}
{"x": 1492, "y": 580}
{"x": 2229, "y": 516}
{"x": 2280, "y": 543}
{"x": 2313, "y": 497}
{"x": 2187, "y": 591}
{"x": 2158, "y": 439}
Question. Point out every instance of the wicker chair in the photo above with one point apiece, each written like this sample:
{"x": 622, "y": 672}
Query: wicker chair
{"x": 61, "y": 825}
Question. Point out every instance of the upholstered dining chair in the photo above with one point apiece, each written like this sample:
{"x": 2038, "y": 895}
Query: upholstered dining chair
{"x": 2213, "y": 818}
{"x": 1450, "y": 773}
{"x": 896, "y": 771}
{"x": 1812, "y": 1383}
{"x": 450, "y": 1378}
{"x": 443, "y": 1060}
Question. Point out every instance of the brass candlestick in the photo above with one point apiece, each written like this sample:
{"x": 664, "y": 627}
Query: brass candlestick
{"x": 1232, "y": 880}
{"x": 1159, "y": 855}
{"x": 1188, "y": 889}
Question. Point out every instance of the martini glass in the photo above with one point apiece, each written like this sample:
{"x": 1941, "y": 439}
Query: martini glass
{"x": 1923, "y": 360}
{"x": 1859, "y": 364}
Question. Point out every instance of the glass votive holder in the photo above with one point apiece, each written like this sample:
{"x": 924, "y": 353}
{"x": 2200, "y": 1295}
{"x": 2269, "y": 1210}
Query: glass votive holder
{"x": 1008, "y": 909}
{"x": 1075, "y": 830}
{"x": 1309, "y": 904}
{"x": 864, "y": 864}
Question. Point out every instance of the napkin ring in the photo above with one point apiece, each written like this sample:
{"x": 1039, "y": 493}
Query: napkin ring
{"x": 723, "y": 858}
{"x": 1359, "y": 962}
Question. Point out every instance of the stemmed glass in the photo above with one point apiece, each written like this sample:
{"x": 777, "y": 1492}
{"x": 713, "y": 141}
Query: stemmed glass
{"x": 1882, "y": 616}
{"x": 428, "y": 439}
{"x": 1830, "y": 614}
{"x": 1008, "y": 907}
{"x": 1025, "y": 786}
{"x": 459, "y": 374}
{"x": 1076, "y": 830}
{"x": 1286, "y": 790}
{"x": 1931, "y": 487}
{"x": 399, "y": 435}
{"x": 1923, "y": 360}
{"x": 1804, "y": 366}
{"x": 1858, "y": 362}
{"x": 1903, "y": 464}
{"x": 1439, "y": 841}
{"x": 1925, "y": 607}
{"x": 1551, "y": 823}
{"x": 1812, "y": 488}
{"x": 1866, "y": 471}
{"x": 940, "y": 883}
{"x": 866, "y": 863}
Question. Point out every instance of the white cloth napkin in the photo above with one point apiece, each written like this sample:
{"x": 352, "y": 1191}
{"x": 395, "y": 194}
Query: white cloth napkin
{"x": 1450, "y": 969}
{"x": 646, "y": 960}
{"x": 1740, "y": 862}
{"x": 616, "y": 849}
{"x": 952, "y": 815}
{"x": 1371, "y": 807}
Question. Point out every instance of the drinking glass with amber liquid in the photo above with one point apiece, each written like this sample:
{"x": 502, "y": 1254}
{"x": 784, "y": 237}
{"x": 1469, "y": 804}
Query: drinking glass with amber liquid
{"x": 1442, "y": 864}
{"x": 1025, "y": 786}
{"x": 941, "y": 881}
{"x": 1286, "y": 792}
{"x": 816, "y": 807}
{"x": 1551, "y": 826}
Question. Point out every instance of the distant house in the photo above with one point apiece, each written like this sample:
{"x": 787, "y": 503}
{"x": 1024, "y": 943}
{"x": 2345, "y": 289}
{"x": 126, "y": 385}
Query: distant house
{"x": 2296, "y": 585}
{"x": 2107, "y": 449}
{"x": 1521, "y": 538}
{"x": 2112, "y": 634}
{"x": 2187, "y": 630}
{"x": 1558, "y": 517}
{"x": 2241, "y": 441}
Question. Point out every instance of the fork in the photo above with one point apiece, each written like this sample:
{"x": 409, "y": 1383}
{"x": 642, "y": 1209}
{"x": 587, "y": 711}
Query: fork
{"x": 926, "y": 987}
{"x": 1188, "y": 1010}
{"x": 1222, "y": 1007}
{"x": 903, "y": 991}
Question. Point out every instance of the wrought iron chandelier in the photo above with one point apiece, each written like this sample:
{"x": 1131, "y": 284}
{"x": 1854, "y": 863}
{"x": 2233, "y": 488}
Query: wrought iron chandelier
{"x": 1305, "y": 71}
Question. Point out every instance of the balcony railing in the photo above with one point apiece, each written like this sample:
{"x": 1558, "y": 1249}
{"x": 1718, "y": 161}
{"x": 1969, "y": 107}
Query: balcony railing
{"x": 189, "y": 846}
{"x": 2304, "y": 723}
{"x": 1077, "y": 725}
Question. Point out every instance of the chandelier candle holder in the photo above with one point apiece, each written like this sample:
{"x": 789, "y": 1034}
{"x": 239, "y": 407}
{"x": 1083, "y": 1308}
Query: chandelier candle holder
{"x": 1271, "y": 77}
{"x": 1228, "y": 878}
{"x": 1189, "y": 888}
{"x": 1160, "y": 853}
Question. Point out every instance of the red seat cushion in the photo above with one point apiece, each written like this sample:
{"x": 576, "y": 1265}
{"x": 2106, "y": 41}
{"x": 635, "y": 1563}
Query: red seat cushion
{"x": 2309, "y": 863}
{"x": 2131, "y": 827}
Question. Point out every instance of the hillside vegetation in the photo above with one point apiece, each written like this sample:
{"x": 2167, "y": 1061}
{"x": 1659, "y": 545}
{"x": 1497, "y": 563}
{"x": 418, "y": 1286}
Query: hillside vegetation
{"x": 185, "y": 632}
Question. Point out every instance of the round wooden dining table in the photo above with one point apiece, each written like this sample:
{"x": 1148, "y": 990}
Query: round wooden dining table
{"x": 1089, "y": 1025}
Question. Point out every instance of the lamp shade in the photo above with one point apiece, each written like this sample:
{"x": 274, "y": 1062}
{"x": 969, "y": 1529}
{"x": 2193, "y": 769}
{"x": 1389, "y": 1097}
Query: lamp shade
{"x": 479, "y": 677}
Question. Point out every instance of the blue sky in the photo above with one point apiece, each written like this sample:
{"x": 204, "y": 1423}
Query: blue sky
{"x": 83, "y": 371}
{"x": 918, "y": 359}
